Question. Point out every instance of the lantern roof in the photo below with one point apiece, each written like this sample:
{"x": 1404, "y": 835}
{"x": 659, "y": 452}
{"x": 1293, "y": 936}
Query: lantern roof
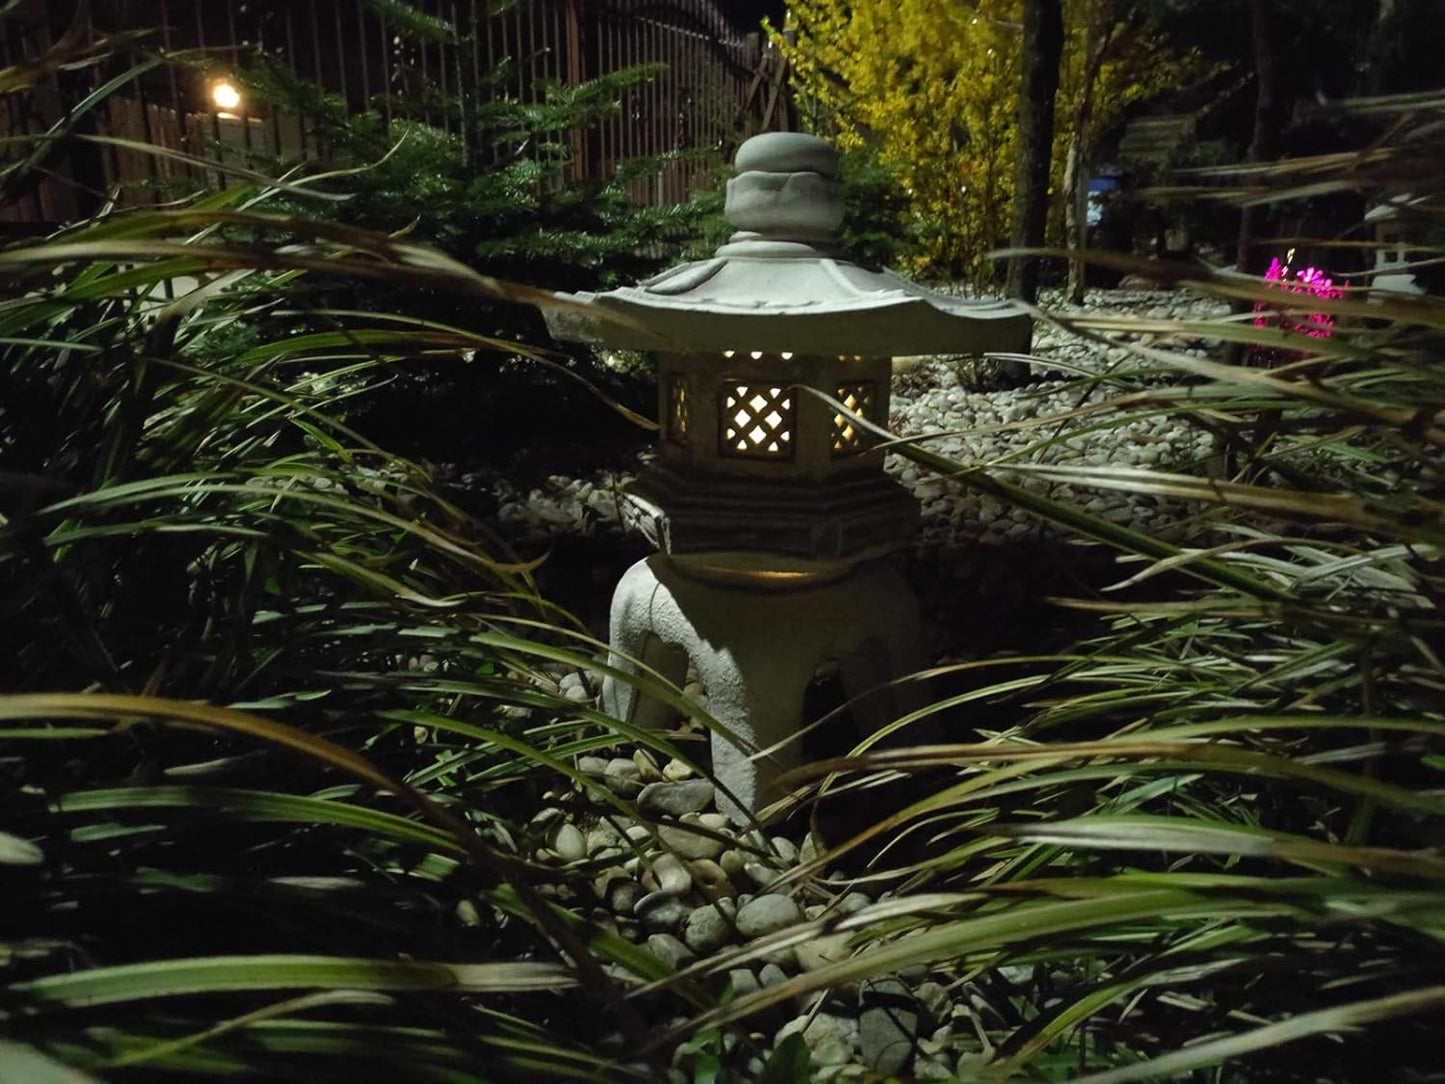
{"x": 782, "y": 284}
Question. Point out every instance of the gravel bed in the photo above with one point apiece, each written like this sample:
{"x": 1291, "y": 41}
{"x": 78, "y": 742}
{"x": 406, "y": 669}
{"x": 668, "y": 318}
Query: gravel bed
{"x": 698, "y": 892}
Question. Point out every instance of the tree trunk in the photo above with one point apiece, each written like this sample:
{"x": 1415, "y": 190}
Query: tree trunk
{"x": 1264, "y": 144}
{"x": 1043, "y": 43}
{"x": 1100, "y": 35}
{"x": 1377, "y": 49}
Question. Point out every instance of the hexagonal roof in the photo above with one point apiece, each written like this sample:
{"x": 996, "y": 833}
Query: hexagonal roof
{"x": 781, "y": 283}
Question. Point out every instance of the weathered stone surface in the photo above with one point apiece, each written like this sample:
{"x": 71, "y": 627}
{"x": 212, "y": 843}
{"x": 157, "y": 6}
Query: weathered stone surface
{"x": 934, "y": 999}
{"x": 742, "y": 981}
{"x": 706, "y": 930}
{"x": 760, "y": 875}
{"x": 809, "y": 850}
{"x": 771, "y": 975}
{"x": 675, "y": 799}
{"x": 854, "y": 902}
{"x": 709, "y": 877}
{"x": 660, "y": 912}
{"x": 675, "y": 771}
{"x": 647, "y": 769}
{"x": 688, "y": 843}
{"x": 670, "y": 950}
{"x": 672, "y": 876}
{"x": 823, "y": 950}
{"x": 622, "y": 894}
{"x": 765, "y": 914}
{"x": 569, "y": 842}
{"x": 830, "y": 1039}
{"x": 589, "y": 765}
{"x": 785, "y": 849}
{"x": 887, "y": 1026}
{"x": 622, "y": 777}
{"x": 601, "y": 836}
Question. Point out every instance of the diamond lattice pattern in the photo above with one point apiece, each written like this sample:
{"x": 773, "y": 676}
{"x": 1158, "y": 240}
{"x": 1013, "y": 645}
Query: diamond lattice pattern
{"x": 677, "y": 411}
{"x": 847, "y": 437}
{"x": 757, "y": 421}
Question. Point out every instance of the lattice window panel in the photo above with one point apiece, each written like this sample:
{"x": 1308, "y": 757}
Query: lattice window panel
{"x": 757, "y": 421}
{"x": 860, "y": 399}
{"x": 678, "y": 405}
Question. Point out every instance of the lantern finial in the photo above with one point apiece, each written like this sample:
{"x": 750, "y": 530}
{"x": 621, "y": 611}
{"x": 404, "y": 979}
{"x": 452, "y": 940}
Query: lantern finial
{"x": 786, "y": 189}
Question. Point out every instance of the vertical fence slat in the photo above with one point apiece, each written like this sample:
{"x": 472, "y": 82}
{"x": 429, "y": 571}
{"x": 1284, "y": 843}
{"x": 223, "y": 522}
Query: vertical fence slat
{"x": 451, "y": 9}
{"x": 341, "y": 62}
{"x": 573, "y": 51}
{"x": 697, "y": 100}
{"x": 606, "y": 43}
{"x": 361, "y": 54}
{"x": 656, "y": 95}
{"x": 386, "y": 55}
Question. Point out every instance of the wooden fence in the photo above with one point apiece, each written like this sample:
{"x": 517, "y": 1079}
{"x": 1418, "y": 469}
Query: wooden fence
{"x": 717, "y": 86}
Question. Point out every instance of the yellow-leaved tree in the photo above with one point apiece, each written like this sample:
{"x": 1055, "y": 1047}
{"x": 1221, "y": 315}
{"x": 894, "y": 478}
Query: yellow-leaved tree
{"x": 931, "y": 87}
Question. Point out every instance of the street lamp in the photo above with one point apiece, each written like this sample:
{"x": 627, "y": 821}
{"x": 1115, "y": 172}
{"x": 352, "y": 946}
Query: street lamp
{"x": 770, "y": 511}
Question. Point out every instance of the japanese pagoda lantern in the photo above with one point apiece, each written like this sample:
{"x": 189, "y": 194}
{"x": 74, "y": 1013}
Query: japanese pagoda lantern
{"x": 771, "y": 516}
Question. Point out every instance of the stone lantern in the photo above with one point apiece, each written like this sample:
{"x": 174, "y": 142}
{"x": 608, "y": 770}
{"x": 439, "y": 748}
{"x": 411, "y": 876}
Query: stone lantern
{"x": 768, "y": 508}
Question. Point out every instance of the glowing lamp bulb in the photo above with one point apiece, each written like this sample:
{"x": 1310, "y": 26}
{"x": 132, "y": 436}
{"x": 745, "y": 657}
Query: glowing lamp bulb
{"x": 225, "y": 95}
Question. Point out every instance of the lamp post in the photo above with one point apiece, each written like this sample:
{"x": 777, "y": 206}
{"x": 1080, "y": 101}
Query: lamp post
{"x": 769, "y": 510}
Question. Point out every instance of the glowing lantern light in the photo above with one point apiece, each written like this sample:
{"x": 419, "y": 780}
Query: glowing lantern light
{"x": 225, "y": 96}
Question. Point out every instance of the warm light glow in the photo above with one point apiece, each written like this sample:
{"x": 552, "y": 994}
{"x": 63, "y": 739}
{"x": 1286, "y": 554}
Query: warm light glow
{"x": 225, "y": 95}
{"x": 756, "y": 354}
{"x": 729, "y": 353}
{"x": 787, "y": 355}
{"x": 756, "y": 422}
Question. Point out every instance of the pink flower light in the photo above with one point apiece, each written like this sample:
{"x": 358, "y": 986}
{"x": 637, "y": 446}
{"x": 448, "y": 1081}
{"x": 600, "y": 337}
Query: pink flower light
{"x": 1312, "y": 282}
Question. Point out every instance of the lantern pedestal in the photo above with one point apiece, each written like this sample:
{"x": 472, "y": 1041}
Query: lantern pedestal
{"x": 713, "y": 526}
{"x": 756, "y": 649}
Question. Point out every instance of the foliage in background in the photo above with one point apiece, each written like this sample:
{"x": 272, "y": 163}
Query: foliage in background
{"x": 496, "y": 188}
{"x": 875, "y": 231}
{"x": 932, "y": 87}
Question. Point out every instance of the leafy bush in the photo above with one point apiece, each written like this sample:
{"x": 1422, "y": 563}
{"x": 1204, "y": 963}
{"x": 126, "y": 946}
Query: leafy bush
{"x": 931, "y": 88}
{"x": 496, "y": 191}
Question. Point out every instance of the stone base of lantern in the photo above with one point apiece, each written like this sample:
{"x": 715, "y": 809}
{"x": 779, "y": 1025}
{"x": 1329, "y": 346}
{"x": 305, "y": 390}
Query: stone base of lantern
{"x": 756, "y": 649}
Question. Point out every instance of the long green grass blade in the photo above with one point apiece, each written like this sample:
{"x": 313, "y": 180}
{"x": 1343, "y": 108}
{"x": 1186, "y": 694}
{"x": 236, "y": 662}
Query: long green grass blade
{"x": 228, "y": 974}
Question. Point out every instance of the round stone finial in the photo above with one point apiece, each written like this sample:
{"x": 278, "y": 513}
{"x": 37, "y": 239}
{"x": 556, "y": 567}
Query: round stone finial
{"x": 787, "y": 187}
{"x": 787, "y": 152}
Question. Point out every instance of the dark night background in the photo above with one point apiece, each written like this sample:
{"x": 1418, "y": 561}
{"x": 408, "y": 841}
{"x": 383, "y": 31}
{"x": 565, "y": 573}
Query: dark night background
{"x": 746, "y": 14}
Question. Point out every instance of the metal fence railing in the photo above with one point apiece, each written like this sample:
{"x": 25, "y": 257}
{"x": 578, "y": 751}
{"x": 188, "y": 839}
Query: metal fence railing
{"x": 718, "y": 84}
